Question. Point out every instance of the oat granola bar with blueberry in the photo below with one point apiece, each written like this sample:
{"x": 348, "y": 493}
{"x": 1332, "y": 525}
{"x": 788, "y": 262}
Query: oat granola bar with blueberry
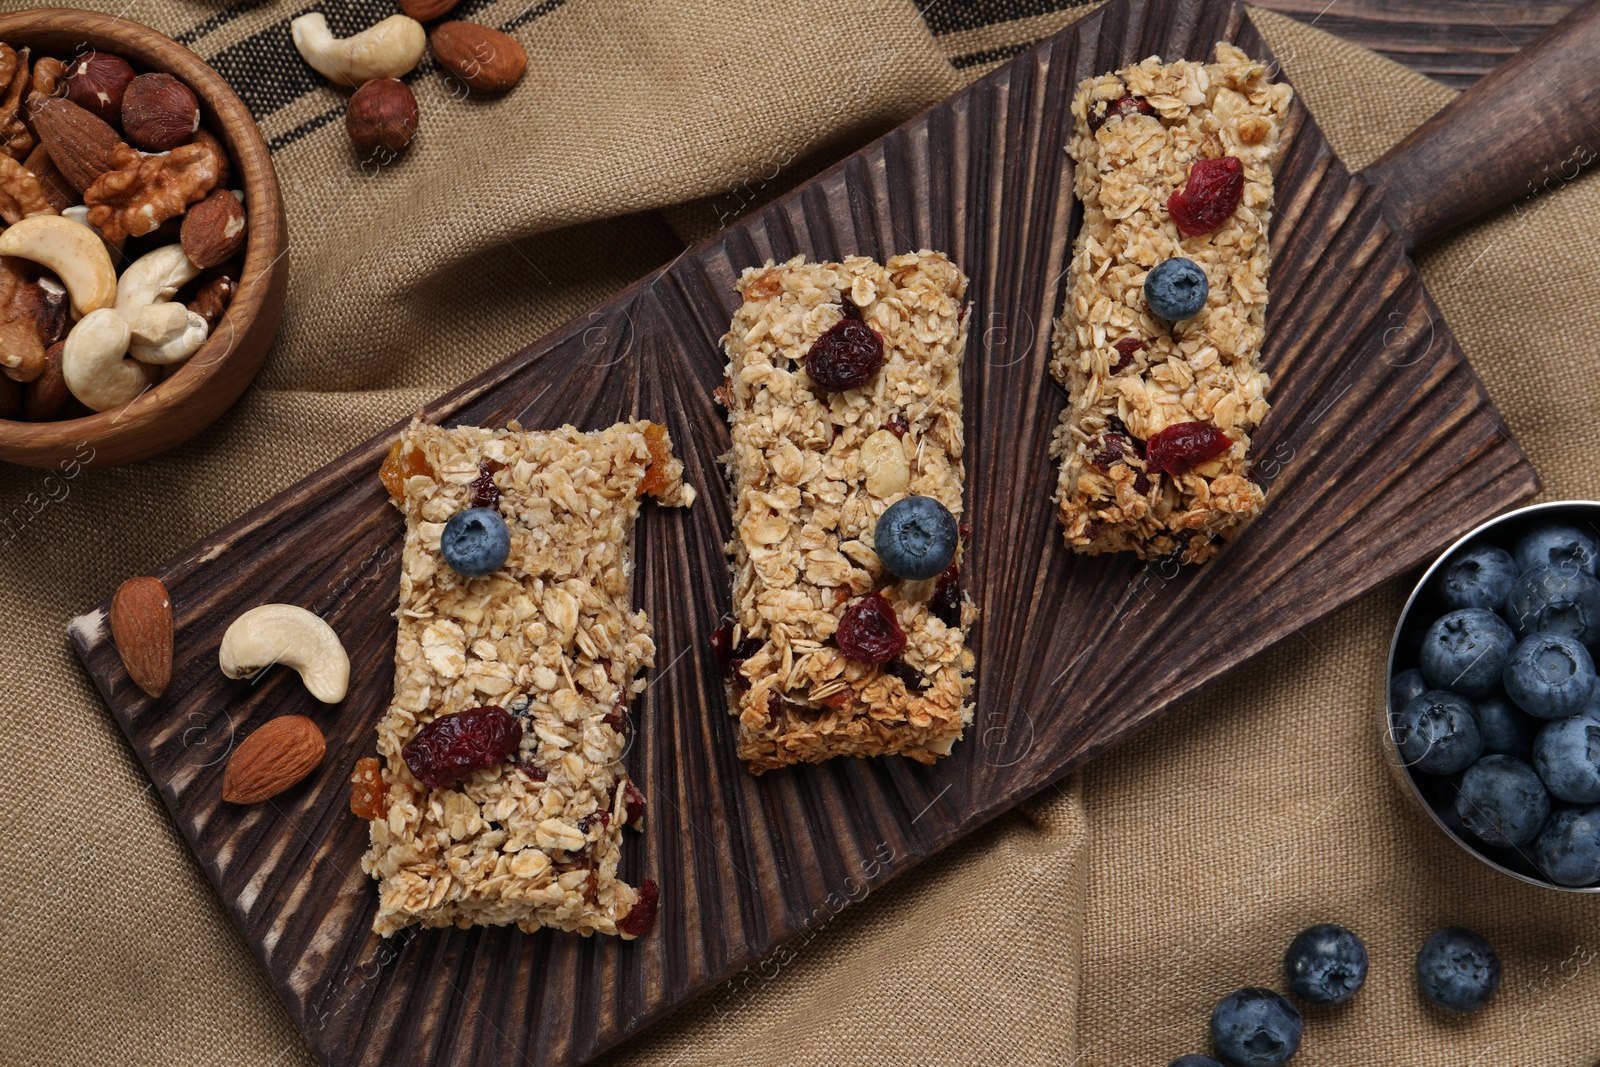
{"x": 1159, "y": 342}
{"x": 499, "y": 793}
{"x": 847, "y": 635}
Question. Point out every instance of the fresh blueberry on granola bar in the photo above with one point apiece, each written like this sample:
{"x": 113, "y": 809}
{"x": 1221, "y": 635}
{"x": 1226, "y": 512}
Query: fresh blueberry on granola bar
{"x": 1176, "y": 289}
{"x": 475, "y": 542}
{"x": 915, "y": 538}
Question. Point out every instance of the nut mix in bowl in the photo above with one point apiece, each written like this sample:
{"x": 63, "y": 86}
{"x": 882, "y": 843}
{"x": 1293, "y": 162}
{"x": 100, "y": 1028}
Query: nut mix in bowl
{"x": 1493, "y": 706}
{"x": 139, "y": 207}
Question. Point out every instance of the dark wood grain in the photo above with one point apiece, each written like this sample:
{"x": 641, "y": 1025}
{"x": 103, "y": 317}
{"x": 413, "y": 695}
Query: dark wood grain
{"x": 219, "y": 373}
{"x": 1524, "y": 131}
{"x": 1380, "y": 448}
{"x": 1454, "y": 41}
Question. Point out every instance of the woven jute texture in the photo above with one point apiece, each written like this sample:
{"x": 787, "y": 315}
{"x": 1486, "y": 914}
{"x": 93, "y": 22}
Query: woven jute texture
{"x": 1095, "y": 925}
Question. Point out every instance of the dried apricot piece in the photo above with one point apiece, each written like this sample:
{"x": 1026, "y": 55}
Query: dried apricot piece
{"x": 399, "y": 465}
{"x": 368, "y": 797}
{"x": 655, "y": 479}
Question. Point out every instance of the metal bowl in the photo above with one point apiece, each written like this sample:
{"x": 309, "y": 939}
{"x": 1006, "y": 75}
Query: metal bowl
{"x": 1424, "y": 606}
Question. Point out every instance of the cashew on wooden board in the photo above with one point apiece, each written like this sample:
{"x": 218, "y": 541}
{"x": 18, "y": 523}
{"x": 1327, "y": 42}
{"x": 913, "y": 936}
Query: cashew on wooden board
{"x": 294, "y": 637}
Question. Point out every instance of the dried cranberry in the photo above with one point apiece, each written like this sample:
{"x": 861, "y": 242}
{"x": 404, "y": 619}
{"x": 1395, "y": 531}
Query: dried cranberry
{"x": 453, "y": 746}
{"x": 1091, "y": 529}
{"x": 632, "y": 803}
{"x": 869, "y": 632}
{"x": 897, "y": 425}
{"x": 601, "y": 817}
{"x": 848, "y": 355}
{"x": 946, "y": 602}
{"x": 485, "y": 494}
{"x": 641, "y": 918}
{"x": 1107, "y": 449}
{"x": 1126, "y": 348}
{"x": 1179, "y": 447}
{"x": 722, "y": 643}
{"x": 538, "y": 774}
{"x": 617, "y": 717}
{"x": 908, "y": 674}
{"x": 1123, "y": 105}
{"x": 847, "y": 307}
{"x": 964, "y": 531}
{"x": 741, "y": 652}
{"x": 1210, "y": 197}
{"x": 1141, "y": 483}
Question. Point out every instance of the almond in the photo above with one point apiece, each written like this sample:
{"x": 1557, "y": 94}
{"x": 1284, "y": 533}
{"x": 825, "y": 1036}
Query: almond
{"x": 79, "y": 144}
{"x": 272, "y": 759}
{"x": 56, "y": 189}
{"x": 214, "y": 229}
{"x": 428, "y": 10}
{"x": 141, "y": 626}
{"x": 484, "y": 58}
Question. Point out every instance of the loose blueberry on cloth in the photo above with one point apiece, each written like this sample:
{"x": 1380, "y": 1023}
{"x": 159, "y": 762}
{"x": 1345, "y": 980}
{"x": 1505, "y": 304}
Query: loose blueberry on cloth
{"x": 1458, "y": 970}
{"x": 1176, "y": 289}
{"x": 475, "y": 542}
{"x": 1555, "y": 599}
{"x": 1567, "y": 756}
{"x": 1560, "y": 545}
{"x": 1568, "y": 851}
{"x": 1438, "y": 733}
{"x": 1481, "y": 578}
{"x": 1501, "y": 801}
{"x": 916, "y": 538}
{"x": 1466, "y": 651}
{"x": 1255, "y": 1027}
{"x": 1195, "y": 1061}
{"x": 1549, "y": 675}
{"x": 1325, "y": 964}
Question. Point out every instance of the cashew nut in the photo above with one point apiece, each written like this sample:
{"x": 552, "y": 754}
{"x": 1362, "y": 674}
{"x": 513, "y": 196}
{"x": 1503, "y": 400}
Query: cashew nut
{"x": 75, "y": 253}
{"x": 166, "y": 333}
{"x": 154, "y": 276}
{"x": 293, "y": 636}
{"x": 387, "y": 49}
{"x": 92, "y": 363}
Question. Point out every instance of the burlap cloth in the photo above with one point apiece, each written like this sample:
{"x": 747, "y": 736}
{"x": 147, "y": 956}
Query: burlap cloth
{"x": 1098, "y": 924}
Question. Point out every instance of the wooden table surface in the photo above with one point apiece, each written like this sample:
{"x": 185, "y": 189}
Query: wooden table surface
{"x": 1454, "y": 41}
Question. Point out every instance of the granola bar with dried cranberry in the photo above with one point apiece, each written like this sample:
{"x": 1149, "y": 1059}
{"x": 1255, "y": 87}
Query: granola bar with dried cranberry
{"x": 499, "y": 794}
{"x": 1173, "y": 161}
{"x": 827, "y": 434}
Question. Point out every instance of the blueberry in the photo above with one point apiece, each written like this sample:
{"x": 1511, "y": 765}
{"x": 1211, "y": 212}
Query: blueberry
{"x": 1195, "y": 1061}
{"x": 1255, "y": 1027}
{"x": 1406, "y": 687}
{"x": 1458, "y": 970}
{"x": 1176, "y": 289}
{"x": 1466, "y": 651}
{"x": 1568, "y": 548}
{"x": 1567, "y": 756}
{"x": 1479, "y": 578}
{"x": 1502, "y": 802}
{"x": 475, "y": 542}
{"x": 1569, "y": 849}
{"x": 1505, "y": 728}
{"x": 1437, "y": 733}
{"x": 1325, "y": 964}
{"x": 1550, "y": 676}
{"x": 916, "y": 538}
{"x": 1555, "y": 600}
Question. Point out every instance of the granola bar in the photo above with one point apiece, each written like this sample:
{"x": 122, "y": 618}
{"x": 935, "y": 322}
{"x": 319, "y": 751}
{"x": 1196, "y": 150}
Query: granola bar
{"x": 1129, "y": 374}
{"x": 811, "y": 471}
{"x": 549, "y": 637}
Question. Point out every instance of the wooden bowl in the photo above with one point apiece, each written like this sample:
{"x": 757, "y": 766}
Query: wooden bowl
{"x": 214, "y": 377}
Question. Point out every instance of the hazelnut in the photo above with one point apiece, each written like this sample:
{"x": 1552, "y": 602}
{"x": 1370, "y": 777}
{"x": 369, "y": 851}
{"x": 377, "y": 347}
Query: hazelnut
{"x": 382, "y": 114}
{"x": 159, "y": 113}
{"x": 96, "y": 82}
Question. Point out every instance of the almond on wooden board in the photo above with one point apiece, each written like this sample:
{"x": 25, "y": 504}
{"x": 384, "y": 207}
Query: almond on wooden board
{"x": 141, "y": 627}
{"x": 274, "y": 758}
{"x": 484, "y": 58}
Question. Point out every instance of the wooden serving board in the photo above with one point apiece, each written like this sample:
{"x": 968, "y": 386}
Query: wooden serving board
{"x": 1381, "y": 447}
